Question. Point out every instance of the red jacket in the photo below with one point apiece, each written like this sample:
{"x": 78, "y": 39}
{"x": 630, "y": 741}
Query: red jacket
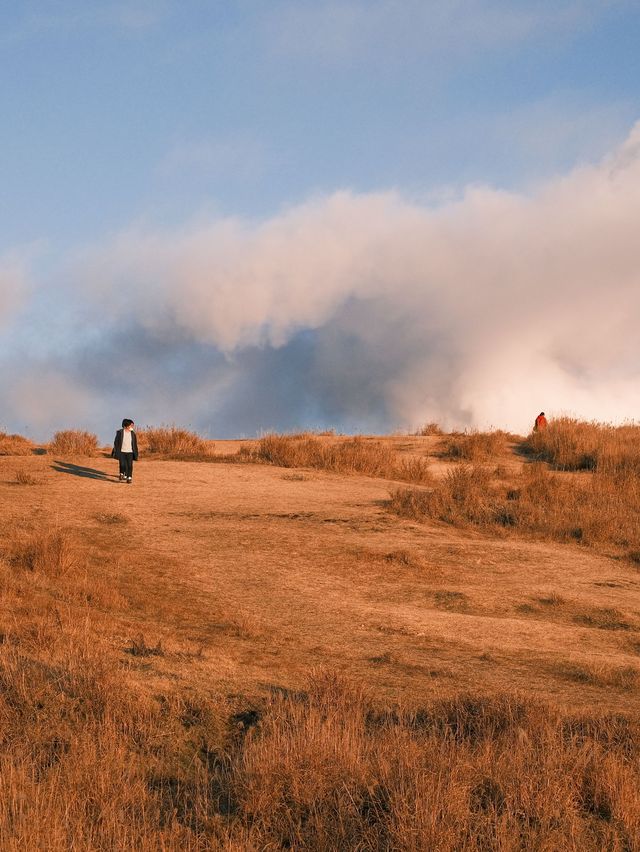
{"x": 541, "y": 423}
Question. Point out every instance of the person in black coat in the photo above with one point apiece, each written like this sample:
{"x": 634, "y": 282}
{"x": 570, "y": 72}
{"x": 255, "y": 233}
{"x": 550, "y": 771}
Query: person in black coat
{"x": 125, "y": 449}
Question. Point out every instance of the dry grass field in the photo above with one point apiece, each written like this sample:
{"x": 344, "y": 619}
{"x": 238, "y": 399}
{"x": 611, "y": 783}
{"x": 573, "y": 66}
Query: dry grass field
{"x": 15, "y": 445}
{"x": 323, "y": 643}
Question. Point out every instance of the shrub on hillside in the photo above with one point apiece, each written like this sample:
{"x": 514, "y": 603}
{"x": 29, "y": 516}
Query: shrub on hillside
{"x": 23, "y": 477}
{"x": 171, "y": 441}
{"x": 52, "y": 552}
{"x": 429, "y": 429}
{"x": 604, "y": 509}
{"x": 15, "y": 445}
{"x": 351, "y": 455}
{"x": 462, "y": 496}
{"x": 570, "y": 444}
{"x": 475, "y": 446}
{"x": 74, "y": 442}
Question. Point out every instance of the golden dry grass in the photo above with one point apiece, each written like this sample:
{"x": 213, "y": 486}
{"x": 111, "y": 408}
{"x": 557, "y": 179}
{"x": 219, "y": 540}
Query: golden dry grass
{"x": 87, "y": 763}
{"x": 626, "y": 678}
{"x": 352, "y": 455}
{"x": 23, "y": 477}
{"x": 326, "y": 771}
{"x": 74, "y": 442}
{"x": 430, "y": 429}
{"x": 15, "y": 445}
{"x": 570, "y": 444}
{"x": 603, "y": 509}
{"x": 156, "y": 643}
{"x": 172, "y": 442}
{"x": 52, "y": 552}
{"x": 475, "y": 446}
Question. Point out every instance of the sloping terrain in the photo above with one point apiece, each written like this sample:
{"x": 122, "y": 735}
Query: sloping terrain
{"x": 249, "y": 575}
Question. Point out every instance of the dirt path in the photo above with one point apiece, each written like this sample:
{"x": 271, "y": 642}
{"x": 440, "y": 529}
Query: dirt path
{"x": 270, "y": 572}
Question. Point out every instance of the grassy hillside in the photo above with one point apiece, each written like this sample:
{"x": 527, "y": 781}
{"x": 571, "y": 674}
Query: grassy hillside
{"x": 315, "y": 642}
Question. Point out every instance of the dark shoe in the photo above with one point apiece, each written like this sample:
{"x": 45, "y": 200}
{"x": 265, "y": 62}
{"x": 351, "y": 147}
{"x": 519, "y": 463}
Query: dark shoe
{"x": 129, "y": 480}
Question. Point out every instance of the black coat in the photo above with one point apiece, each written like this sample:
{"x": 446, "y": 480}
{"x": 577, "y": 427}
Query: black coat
{"x": 117, "y": 445}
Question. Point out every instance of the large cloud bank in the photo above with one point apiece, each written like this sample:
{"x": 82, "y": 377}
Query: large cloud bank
{"x": 360, "y": 311}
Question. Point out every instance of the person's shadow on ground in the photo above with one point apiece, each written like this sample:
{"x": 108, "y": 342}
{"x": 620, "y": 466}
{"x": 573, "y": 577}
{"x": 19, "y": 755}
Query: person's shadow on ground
{"x": 79, "y": 470}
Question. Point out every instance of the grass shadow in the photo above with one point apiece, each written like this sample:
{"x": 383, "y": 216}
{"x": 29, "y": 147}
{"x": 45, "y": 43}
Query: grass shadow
{"x": 525, "y": 453}
{"x": 80, "y": 470}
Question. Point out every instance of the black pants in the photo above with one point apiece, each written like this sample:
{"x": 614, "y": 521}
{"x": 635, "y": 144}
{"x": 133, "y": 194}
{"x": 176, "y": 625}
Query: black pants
{"x": 126, "y": 464}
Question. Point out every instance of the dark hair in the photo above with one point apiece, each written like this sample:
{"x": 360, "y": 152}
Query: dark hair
{"x": 126, "y": 422}
{"x": 541, "y": 414}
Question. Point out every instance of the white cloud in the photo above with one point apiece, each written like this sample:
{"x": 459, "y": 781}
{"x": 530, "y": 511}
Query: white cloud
{"x": 477, "y": 312}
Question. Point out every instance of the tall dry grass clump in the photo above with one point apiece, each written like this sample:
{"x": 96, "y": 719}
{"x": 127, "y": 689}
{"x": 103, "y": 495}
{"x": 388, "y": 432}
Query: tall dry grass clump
{"x": 74, "y": 442}
{"x": 51, "y": 552}
{"x": 23, "y": 477}
{"x": 602, "y": 509}
{"x": 174, "y": 442}
{"x": 15, "y": 445}
{"x": 570, "y": 444}
{"x": 475, "y": 446}
{"x": 352, "y": 455}
{"x": 429, "y": 429}
{"x": 462, "y": 496}
{"x": 472, "y": 773}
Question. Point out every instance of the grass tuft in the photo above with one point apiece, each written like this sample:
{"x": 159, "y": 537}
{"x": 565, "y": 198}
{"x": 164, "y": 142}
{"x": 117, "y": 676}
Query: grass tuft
{"x": 570, "y": 444}
{"x": 23, "y": 477}
{"x": 111, "y": 518}
{"x": 53, "y": 553}
{"x": 624, "y": 678}
{"x": 15, "y": 445}
{"x": 475, "y": 446}
{"x": 399, "y": 557}
{"x": 604, "y": 618}
{"x": 461, "y": 496}
{"x": 173, "y": 442}
{"x": 351, "y": 455}
{"x": 140, "y": 648}
{"x": 429, "y": 429}
{"x": 74, "y": 442}
{"x": 446, "y": 599}
{"x": 601, "y": 509}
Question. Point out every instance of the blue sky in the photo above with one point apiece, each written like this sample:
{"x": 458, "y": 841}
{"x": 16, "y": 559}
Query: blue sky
{"x": 116, "y": 111}
{"x": 132, "y": 116}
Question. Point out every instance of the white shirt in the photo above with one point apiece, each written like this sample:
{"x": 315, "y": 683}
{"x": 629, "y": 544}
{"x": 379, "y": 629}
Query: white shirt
{"x": 127, "y": 446}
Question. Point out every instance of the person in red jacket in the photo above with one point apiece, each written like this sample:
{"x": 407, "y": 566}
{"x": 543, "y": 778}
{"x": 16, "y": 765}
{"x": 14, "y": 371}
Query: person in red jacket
{"x": 541, "y": 423}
